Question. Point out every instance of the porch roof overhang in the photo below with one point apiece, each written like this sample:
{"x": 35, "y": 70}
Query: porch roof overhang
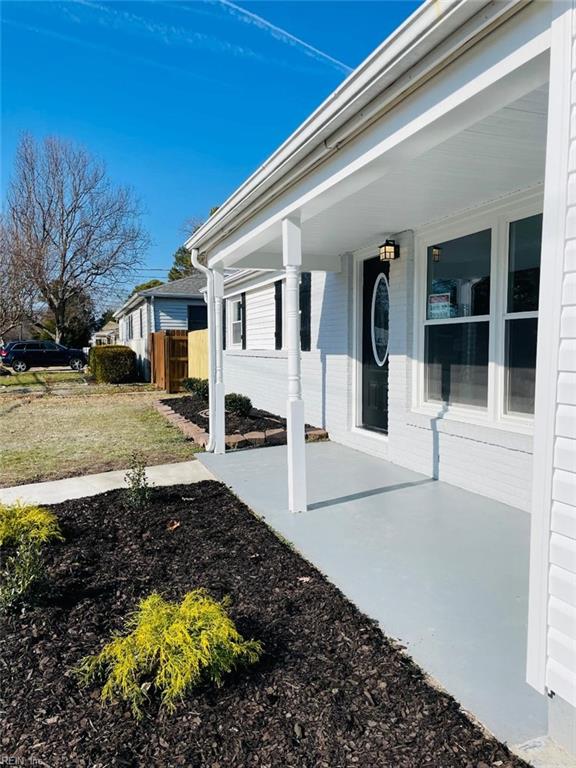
{"x": 480, "y": 116}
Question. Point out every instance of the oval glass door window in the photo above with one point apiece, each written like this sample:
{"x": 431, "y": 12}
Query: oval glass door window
{"x": 380, "y": 319}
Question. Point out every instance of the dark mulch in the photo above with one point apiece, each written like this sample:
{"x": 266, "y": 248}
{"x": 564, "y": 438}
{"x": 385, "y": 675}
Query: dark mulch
{"x": 192, "y": 406}
{"x": 330, "y": 692}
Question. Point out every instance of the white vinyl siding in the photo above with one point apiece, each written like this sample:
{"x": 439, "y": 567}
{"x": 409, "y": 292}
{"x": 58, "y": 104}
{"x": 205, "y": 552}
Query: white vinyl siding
{"x": 260, "y": 318}
{"x": 552, "y": 625}
{"x": 260, "y": 371}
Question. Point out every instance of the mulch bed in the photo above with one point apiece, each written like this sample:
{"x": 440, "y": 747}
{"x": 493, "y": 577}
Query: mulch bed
{"x": 189, "y": 413}
{"x": 331, "y": 690}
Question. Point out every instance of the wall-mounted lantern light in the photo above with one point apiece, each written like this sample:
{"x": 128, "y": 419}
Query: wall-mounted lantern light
{"x": 389, "y": 251}
{"x": 436, "y": 251}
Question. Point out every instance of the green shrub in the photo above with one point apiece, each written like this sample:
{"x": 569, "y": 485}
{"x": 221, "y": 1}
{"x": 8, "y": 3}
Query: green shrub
{"x": 21, "y": 523}
{"x": 21, "y": 570}
{"x": 239, "y": 404}
{"x": 172, "y": 647}
{"x": 112, "y": 364}
{"x": 198, "y": 387}
{"x": 27, "y": 528}
{"x": 138, "y": 491}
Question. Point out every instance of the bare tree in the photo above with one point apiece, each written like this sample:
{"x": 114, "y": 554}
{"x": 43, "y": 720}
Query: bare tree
{"x": 15, "y": 293}
{"x": 74, "y": 231}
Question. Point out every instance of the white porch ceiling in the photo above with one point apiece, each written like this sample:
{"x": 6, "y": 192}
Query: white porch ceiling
{"x": 497, "y": 156}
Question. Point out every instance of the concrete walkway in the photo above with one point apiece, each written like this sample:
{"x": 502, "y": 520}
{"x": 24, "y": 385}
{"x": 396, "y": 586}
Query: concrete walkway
{"x": 54, "y": 491}
{"x": 442, "y": 570}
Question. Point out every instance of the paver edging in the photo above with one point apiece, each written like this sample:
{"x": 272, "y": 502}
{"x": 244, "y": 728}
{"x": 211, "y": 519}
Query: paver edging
{"x": 255, "y": 439}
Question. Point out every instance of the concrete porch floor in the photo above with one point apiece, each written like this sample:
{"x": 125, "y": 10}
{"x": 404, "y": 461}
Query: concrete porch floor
{"x": 442, "y": 570}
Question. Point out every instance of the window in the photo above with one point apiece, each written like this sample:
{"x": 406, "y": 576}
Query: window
{"x": 521, "y": 317}
{"x": 130, "y": 327}
{"x": 457, "y": 320}
{"x": 481, "y": 317}
{"x": 278, "y": 314}
{"x": 197, "y": 317}
{"x": 236, "y": 322}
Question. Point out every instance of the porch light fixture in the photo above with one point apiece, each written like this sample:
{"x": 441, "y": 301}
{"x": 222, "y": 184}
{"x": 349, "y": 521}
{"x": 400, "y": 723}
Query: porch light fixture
{"x": 389, "y": 251}
{"x": 436, "y": 251}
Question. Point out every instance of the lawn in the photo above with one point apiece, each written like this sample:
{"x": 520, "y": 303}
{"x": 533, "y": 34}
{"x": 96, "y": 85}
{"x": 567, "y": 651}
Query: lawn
{"x": 50, "y": 436}
{"x": 42, "y": 379}
{"x": 330, "y": 691}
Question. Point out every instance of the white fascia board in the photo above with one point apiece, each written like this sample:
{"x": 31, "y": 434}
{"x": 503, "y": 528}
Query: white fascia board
{"x": 186, "y": 296}
{"x": 129, "y": 305}
{"x": 256, "y": 279}
{"x": 414, "y": 50}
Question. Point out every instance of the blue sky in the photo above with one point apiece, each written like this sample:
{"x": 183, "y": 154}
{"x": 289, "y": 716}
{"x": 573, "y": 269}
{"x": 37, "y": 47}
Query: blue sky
{"x": 183, "y": 99}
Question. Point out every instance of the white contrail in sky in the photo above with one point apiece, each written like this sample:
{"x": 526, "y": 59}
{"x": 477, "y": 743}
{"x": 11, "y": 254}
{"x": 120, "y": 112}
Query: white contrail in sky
{"x": 87, "y": 44}
{"x": 282, "y": 34}
{"x": 167, "y": 33}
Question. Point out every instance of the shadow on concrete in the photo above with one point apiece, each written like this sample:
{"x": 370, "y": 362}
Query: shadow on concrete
{"x": 367, "y": 494}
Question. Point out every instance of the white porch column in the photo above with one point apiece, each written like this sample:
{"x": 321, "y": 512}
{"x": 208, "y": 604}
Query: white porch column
{"x": 292, "y": 258}
{"x": 219, "y": 427}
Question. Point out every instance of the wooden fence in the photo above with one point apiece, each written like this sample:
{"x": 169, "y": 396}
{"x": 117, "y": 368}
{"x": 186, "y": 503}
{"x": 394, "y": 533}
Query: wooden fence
{"x": 198, "y": 354}
{"x": 168, "y": 359}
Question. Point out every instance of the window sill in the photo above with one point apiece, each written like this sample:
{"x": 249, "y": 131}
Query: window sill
{"x": 381, "y": 437}
{"x": 239, "y": 352}
{"x": 514, "y": 434}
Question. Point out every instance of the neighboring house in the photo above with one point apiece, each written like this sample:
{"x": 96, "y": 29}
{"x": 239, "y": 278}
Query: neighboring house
{"x": 108, "y": 334}
{"x": 418, "y": 233}
{"x": 177, "y": 305}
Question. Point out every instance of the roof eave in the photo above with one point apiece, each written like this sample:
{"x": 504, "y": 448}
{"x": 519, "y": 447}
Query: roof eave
{"x": 420, "y": 35}
{"x": 130, "y": 303}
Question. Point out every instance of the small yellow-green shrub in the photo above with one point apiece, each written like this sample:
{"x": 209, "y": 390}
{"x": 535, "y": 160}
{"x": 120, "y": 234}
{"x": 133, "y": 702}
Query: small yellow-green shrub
{"x": 20, "y": 523}
{"x": 172, "y": 646}
{"x": 27, "y": 528}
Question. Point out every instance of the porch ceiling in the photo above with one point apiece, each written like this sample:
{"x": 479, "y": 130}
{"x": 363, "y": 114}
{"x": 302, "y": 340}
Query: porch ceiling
{"x": 501, "y": 154}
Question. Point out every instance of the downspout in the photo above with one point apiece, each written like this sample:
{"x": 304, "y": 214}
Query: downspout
{"x": 211, "y": 341}
{"x": 152, "y": 313}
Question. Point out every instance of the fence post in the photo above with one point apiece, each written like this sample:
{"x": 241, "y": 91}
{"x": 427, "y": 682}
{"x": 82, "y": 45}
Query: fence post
{"x": 167, "y": 372}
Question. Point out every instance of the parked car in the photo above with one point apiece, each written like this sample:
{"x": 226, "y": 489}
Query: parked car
{"x": 21, "y": 355}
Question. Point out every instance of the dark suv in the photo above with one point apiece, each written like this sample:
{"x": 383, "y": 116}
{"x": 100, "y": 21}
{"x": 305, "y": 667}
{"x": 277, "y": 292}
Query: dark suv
{"x": 21, "y": 355}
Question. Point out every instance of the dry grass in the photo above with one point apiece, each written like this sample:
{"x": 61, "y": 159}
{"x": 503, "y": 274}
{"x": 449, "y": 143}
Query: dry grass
{"x": 50, "y": 436}
{"x": 41, "y": 378}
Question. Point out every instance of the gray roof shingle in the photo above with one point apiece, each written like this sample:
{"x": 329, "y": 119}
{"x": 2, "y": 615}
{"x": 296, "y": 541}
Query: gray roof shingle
{"x": 187, "y": 286}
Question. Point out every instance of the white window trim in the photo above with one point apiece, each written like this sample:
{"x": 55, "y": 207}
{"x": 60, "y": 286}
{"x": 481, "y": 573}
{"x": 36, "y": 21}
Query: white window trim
{"x": 230, "y": 322}
{"x": 496, "y": 217}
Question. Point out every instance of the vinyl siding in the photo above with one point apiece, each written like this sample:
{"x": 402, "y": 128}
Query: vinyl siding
{"x": 172, "y": 314}
{"x": 561, "y": 586}
{"x": 260, "y": 321}
{"x": 260, "y": 371}
{"x": 561, "y": 652}
{"x": 139, "y": 341}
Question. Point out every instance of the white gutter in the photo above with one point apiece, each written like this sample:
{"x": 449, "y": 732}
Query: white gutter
{"x": 431, "y": 38}
{"x": 211, "y": 342}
